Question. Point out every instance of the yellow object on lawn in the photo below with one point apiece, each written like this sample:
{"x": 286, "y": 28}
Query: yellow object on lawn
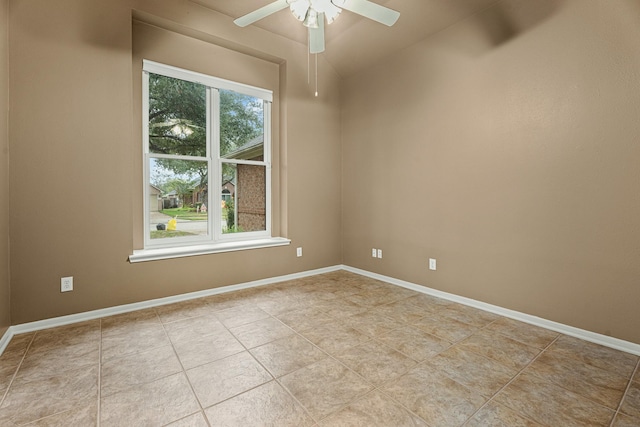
{"x": 172, "y": 224}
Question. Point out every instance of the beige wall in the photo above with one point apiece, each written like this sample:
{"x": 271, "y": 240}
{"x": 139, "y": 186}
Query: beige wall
{"x": 506, "y": 147}
{"x": 5, "y": 319}
{"x": 513, "y": 163}
{"x": 74, "y": 158}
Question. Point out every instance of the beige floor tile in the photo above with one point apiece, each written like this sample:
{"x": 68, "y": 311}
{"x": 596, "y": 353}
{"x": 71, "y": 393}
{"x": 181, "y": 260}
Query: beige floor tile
{"x": 414, "y": 343}
{"x": 145, "y": 353}
{"x": 373, "y": 410}
{"x": 193, "y": 328}
{"x": 29, "y": 401}
{"x": 238, "y": 316}
{"x": 370, "y": 299}
{"x": 5, "y": 419}
{"x": 157, "y": 403}
{"x": 302, "y": 320}
{"x": 400, "y": 293}
{"x": 636, "y": 377}
{"x": 183, "y": 310}
{"x": 195, "y": 420}
{"x": 598, "y": 385}
{"x": 318, "y": 293}
{"x": 85, "y": 416}
{"x": 325, "y": 387}
{"x": 17, "y": 347}
{"x": 523, "y": 332}
{"x": 596, "y": 355}
{"x": 429, "y": 303}
{"x": 6, "y": 375}
{"x": 376, "y": 362}
{"x": 127, "y": 322}
{"x": 228, "y": 300}
{"x": 207, "y": 348}
{"x": 551, "y": 405}
{"x": 56, "y": 361}
{"x": 469, "y": 315}
{"x": 58, "y": 350}
{"x": 261, "y": 332}
{"x": 287, "y": 355}
{"x": 11, "y": 359}
{"x": 631, "y": 403}
{"x": 341, "y": 309}
{"x": 79, "y": 337}
{"x": 268, "y": 405}
{"x": 495, "y": 415}
{"x": 623, "y": 420}
{"x": 281, "y": 305}
{"x": 139, "y": 368}
{"x": 484, "y": 375}
{"x": 501, "y": 348}
{"x": 140, "y": 338}
{"x": 401, "y": 311}
{"x": 225, "y": 378}
{"x": 372, "y": 323}
{"x": 443, "y": 327}
{"x": 335, "y": 337}
{"x": 436, "y": 398}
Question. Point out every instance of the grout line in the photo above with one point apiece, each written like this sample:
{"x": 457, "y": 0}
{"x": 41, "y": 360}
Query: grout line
{"x": 184, "y": 371}
{"x": 15, "y": 373}
{"x": 626, "y": 391}
{"x": 99, "y": 406}
{"x": 511, "y": 381}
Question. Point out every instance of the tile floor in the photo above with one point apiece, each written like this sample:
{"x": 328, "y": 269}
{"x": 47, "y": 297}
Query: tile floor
{"x": 331, "y": 350}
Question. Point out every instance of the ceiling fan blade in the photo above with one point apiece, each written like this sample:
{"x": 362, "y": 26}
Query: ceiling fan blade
{"x": 371, "y": 10}
{"x": 263, "y": 12}
{"x": 316, "y": 36}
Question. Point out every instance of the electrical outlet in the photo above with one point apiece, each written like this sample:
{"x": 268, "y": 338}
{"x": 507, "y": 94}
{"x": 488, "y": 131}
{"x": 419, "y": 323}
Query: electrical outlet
{"x": 374, "y": 253}
{"x": 379, "y": 253}
{"x": 299, "y": 252}
{"x": 66, "y": 284}
{"x": 432, "y": 264}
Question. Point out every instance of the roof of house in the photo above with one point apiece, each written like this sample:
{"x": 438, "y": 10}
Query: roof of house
{"x": 252, "y": 149}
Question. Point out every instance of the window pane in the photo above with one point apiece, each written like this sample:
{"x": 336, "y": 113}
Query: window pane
{"x": 241, "y": 126}
{"x": 177, "y": 116}
{"x": 177, "y": 198}
{"x": 243, "y": 197}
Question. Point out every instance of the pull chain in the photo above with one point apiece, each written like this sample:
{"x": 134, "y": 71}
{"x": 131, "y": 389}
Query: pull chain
{"x": 308, "y": 58}
{"x": 316, "y": 75}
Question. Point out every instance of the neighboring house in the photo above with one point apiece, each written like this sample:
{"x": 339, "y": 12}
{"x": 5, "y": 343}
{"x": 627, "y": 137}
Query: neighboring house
{"x": 170, "y": 200}
{"x": 228, "y": 191}
{"x": 199, "y": 195}
{"x": 250, "y": 201}
{"x": 155, "y": 198}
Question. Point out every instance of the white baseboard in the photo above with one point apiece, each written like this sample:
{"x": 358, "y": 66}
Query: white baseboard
{"x": 5, "y": 339}
{"x": 604, "y": 340}
{"x": 110, "y": 311}
{"x": 582, "y": 334}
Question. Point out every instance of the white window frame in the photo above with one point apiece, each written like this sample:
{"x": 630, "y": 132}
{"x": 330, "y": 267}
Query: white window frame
{"x": 215, "y": 240}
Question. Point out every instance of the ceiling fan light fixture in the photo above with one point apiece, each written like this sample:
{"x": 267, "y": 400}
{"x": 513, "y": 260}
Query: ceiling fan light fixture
{"x": 299, "y": 8}
{"x": 327, "y": 7}
{"x": 311, "y": 21}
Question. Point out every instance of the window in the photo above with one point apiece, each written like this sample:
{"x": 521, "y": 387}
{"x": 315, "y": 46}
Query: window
{"x": 207, "y": 164}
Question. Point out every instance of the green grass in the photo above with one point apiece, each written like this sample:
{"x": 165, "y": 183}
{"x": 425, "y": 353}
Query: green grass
{"x": 163, "y": 234}
{"x": 188, "y": 214}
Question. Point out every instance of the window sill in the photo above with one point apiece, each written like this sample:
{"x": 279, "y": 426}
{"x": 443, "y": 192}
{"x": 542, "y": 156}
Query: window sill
{"x": 186, "y": 251}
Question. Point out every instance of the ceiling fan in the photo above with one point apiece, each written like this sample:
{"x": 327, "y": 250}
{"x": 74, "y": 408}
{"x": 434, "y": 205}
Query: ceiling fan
{"x": 312, "y": 13}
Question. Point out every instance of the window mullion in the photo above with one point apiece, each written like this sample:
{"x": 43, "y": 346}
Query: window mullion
{"x": 215, "y": 175}
{"x": 145, "y": 156}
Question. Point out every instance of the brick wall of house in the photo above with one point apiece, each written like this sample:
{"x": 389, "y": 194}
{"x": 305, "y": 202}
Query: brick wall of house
{"x": 250, "y": 198}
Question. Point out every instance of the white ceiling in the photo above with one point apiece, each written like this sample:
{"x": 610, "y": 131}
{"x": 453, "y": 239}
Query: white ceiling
{"x": 354, "y": 42}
